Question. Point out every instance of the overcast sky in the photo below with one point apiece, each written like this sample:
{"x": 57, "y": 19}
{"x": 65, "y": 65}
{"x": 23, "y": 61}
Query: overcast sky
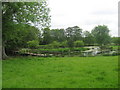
{"x": 84, "y": 13}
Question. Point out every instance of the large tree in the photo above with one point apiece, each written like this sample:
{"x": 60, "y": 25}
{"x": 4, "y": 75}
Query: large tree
{"x": 88, "y": 38}
{"x": 101, "y": 34}
{"x": 46, "y": 38}
{"x": 14, "y": 13}
{"x": 73, "y": 34}
{"x": 22, "y": 34}
{"x": 58, "y": 35}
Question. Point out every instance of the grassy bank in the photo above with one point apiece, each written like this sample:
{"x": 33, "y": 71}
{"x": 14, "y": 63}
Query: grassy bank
{"x": 61, "y": 72}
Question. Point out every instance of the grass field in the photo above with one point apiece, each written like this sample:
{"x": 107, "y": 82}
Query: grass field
{"x": 61, "y": 72}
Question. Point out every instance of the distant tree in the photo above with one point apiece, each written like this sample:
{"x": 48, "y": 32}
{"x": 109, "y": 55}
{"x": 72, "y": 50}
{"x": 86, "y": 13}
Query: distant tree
{"x": 46, "y": 36}
{"x": 78, "y": 43}
{"x": 55, "y": 44}
{"x": 116, "y": 40}
{"x": 88, "y": 38}
{"x": 58, "y": 35}
{"x": 101, "y": 34}
{"x": 64, "y": 44}
{"x": 77, "y": 32}
{"x": 73, "y": 34}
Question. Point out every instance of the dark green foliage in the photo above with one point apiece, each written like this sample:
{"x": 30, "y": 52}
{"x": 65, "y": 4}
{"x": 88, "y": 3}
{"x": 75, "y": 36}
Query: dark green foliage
{"x": 63, "y": 44}
{"x": 33, "y": 44}
{"x": 116, "y": 40}
{"x": 22, "y": 34}
{"x": 101, "y": 35}
{"x": 55, "y": 44}
{"x": 16, "y": 20}
{"x": 78, "y": 43}
{"x": 46, "y": 36}
{"x": 88, "y": 38}
{"x": 73, "y": 34}
{"x": 58, "y": 35}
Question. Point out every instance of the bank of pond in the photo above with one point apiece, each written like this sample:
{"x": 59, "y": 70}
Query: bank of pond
{"x": 61, "y": 52}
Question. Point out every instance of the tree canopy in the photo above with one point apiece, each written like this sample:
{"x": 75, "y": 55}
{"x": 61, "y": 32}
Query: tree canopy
{"x": 17, "y": 15}
{"x": 101, "y": 34}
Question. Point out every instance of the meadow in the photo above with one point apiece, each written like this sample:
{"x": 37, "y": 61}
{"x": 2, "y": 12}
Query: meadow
{"x": 60, "y": 72}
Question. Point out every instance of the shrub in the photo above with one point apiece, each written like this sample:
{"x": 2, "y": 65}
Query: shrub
{"x": 44, "y": 46}
{"x": 78, "y": 43}
{"x": 33, "y": 44}
{"x": 80, "y": 49}
{"x": 55, "y": 44}
{"x": 106, "y": 47}
{"x": 24, "y": 50}
{"x": 63, "y": 44}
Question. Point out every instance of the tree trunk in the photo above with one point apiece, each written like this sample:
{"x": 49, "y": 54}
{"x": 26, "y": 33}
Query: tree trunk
{"x": 4, "y": 56}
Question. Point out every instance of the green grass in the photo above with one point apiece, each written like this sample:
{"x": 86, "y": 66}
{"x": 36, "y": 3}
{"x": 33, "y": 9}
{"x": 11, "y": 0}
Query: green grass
{"x": 61, "y": 72}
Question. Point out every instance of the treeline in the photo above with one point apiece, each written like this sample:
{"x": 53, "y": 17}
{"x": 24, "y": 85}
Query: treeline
{"x": 27, "y": 36}
{"x": 74, "y": 37}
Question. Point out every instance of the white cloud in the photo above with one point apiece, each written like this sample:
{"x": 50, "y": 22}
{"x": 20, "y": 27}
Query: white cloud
{"x": 84, "y": 13}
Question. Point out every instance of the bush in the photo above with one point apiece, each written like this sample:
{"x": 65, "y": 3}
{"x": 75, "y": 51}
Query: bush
{"x": 64, "y": 44}
{"x": 24, "y": 50}
{"x": 106, "y": 47}
{"x": 78, "y": 43}
{"x": 55, "y": 44}
{"x": 80, "y": 49}
{"x": 44, "y": 46}
{"x": 33, "y": 44}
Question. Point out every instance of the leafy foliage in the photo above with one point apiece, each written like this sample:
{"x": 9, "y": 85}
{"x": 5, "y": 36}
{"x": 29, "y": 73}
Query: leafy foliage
{"x": 88, "y": 38}
{"x": 55, "y": 44}
{"x": 78, "y": 43}
{"x": 101, "y": 34}
{"x": 116, "y": 40}
{"x": 33, "y": 44}
{"x": 17, "y": 18}
{"x": 46, "y": 36}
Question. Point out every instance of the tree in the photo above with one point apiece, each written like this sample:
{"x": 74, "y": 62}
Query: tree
{"x": 64, "y": 44}
{"x": 73, "y": 34}
{"x": 78, "y": 43}
{"x": 46, "y": 36}
{"x": 77, "y": 32}
{"x": 58, "y": 35}
{"x": 55, "y": 44}
{"x": 116, "y": 40}
{"x": 15, "y": 13}
{"x": 88, "y": 38}
{"x": 22, "y": 34}
{"x": 101, "y": 34}
{"x": 33, "y": 44}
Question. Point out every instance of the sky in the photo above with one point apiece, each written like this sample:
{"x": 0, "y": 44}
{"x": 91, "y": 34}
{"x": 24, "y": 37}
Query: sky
{"x": 84, "y": 13}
